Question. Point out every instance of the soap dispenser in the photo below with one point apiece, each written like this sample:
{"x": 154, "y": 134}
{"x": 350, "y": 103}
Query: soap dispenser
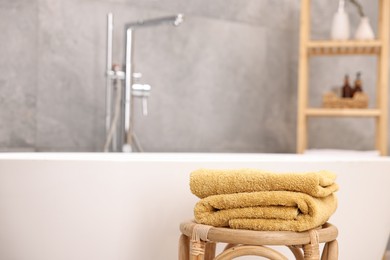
{"x": 364, "y": 30}
{"x": 347, "y": 91}
{"x": 358, "y": 83}
{"x": 340, "y": 24}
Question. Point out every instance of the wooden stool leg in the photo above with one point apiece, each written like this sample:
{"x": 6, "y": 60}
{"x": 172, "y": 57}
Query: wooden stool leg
{"x": 297, "y": 252}
{"x": 333, "y": 250}
{"x": 311, "y": 251}
{"x": 210, "y": 251}
{"x": 325, "y": 252}
{"x": 184, "y": 247}
{"x": 197, "y": 250}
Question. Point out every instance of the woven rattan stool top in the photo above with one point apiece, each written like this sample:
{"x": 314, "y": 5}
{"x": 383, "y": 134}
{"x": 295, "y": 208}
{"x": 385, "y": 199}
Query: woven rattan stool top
{"x": 326, "y": 233}
{"x": 247, "y": 240}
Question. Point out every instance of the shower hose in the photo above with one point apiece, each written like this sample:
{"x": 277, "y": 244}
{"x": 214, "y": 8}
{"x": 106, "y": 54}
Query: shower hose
{"x": 113, "y": 126}
{"x": 115, "y": 119}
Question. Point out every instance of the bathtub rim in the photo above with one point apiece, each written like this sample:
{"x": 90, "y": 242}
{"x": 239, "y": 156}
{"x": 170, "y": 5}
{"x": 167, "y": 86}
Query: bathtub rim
{"x": 192, "y": 157}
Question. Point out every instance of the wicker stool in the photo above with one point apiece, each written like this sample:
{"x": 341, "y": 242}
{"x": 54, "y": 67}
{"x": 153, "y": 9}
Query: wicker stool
{"x": 198, "y": 242}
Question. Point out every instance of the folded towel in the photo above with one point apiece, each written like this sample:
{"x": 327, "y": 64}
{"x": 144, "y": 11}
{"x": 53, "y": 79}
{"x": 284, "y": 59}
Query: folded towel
{"x": 207, "y": 182}
{"x": 266, "y": 210}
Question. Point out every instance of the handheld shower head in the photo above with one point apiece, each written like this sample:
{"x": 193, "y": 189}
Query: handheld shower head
{"x": 174, "y": 20}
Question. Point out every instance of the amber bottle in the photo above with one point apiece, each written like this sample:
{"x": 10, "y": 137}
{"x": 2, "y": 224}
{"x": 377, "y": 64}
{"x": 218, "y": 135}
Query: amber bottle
{"x": 347, "y": 91}
{"x": 358, "y": 84}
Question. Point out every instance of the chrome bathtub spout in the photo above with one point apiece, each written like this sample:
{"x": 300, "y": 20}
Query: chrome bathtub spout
{"x": 175, "y": 20}
{"x": 130, "y": 29}
{"x": 132, "y": 86}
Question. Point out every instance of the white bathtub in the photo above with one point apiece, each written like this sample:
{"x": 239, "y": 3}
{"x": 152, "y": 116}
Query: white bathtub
{"x": 129, "y": 206}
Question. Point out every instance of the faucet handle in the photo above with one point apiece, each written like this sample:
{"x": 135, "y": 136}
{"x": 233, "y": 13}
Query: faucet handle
{"x": 142, "y": 91}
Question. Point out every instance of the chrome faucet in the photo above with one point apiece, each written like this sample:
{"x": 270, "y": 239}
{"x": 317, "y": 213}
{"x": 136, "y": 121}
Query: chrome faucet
{"x": 141, "y": 91}
{"x": 132, "y": 86}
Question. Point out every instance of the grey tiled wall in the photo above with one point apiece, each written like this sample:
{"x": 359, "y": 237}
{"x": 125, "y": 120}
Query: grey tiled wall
{"x": 224, "y": 81}
{"x": 18, "y": 77}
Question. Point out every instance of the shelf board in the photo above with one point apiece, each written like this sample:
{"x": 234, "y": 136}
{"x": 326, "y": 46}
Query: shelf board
{"x": 372, "y": 47}
{"x": 347, "y": 112}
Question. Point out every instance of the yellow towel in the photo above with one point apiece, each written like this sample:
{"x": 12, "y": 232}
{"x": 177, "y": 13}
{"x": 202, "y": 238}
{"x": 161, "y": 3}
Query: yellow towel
{"x": 266, "y": 210}
{"x": 207, "y": 182}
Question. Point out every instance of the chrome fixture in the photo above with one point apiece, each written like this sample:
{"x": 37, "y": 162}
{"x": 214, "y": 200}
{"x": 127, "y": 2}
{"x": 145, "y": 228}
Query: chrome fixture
{"x": 175, "y": 20}
{"x": 120, "y": 127}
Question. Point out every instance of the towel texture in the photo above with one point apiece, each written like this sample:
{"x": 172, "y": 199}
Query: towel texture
{"x": 205, "y": 182}
{"x": 266, "y": 210}
{"x": 259, "y": 200}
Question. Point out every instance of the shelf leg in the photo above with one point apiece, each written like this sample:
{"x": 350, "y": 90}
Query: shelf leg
{"x": 303, "y": 76}
{"x": 383, "y": 78}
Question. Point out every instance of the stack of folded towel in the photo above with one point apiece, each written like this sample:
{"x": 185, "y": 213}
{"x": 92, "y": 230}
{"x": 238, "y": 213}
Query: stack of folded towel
{"x": 259, "y": 200}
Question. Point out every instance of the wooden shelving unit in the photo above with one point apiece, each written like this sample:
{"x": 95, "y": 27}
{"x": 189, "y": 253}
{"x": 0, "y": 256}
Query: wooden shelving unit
{"x": 344, "y": 48}
{"x": 342, "y": 112}
{"x": 378, "y": 47}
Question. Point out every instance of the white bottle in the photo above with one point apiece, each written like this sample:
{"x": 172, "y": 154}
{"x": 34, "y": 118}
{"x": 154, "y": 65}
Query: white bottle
{"x": 340, "y": 24}
{"x": 364, "y": 30}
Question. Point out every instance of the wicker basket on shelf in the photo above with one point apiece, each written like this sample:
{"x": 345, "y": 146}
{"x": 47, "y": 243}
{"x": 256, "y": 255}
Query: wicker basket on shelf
{"x": 331, "y": 100}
